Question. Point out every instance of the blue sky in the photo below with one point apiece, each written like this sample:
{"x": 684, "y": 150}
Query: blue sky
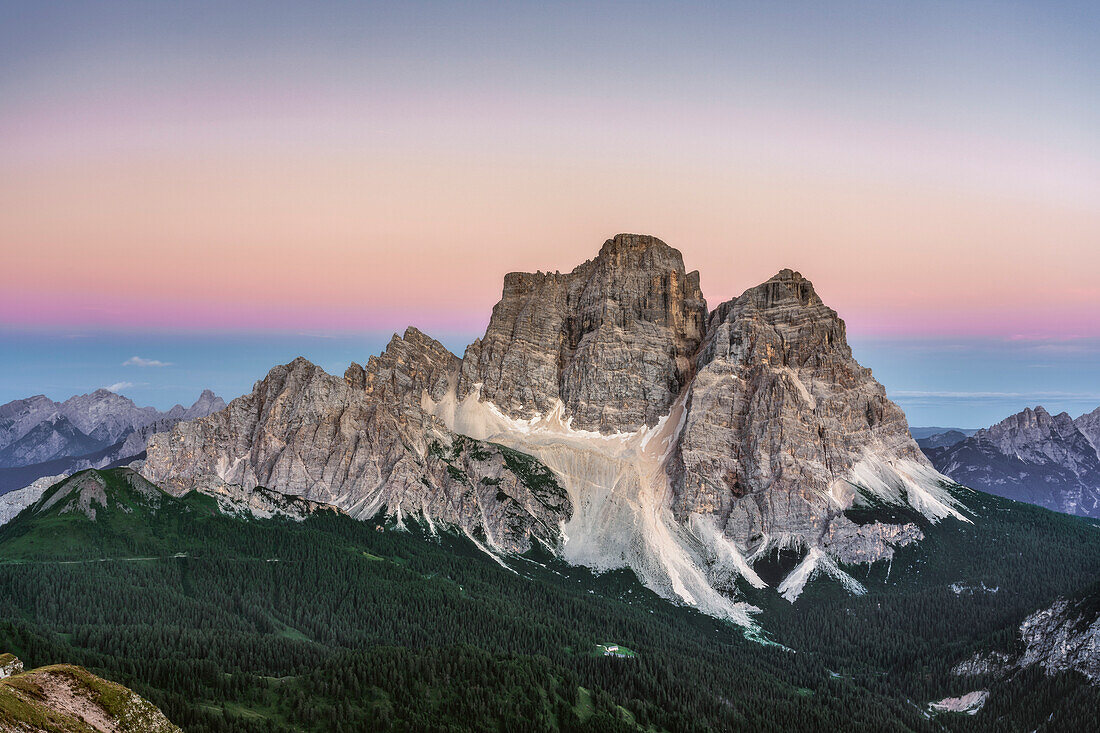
{"x": 220, "y": 185}
{"x": 957, "y": 383}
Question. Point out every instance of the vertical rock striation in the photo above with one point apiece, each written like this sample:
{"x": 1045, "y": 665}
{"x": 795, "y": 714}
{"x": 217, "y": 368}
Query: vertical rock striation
{"x": 613, "y": 340}
{"x": 364, "y": 444}
{"x": 779, "y": 415}
{"x": 602, "y": 413}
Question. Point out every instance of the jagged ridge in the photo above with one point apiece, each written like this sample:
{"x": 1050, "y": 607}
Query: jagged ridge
{"x": 680, "y": 446}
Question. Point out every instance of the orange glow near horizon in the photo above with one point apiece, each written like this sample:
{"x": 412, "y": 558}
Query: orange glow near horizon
{"x": 189, "y": 188}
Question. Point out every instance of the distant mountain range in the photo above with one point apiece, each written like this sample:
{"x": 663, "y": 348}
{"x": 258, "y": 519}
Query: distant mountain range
{"x": 939, "y": 437}
{"x": 40, "y": 437}
{"x": 923, "y": 433}
{"x": 1032, "y": 456}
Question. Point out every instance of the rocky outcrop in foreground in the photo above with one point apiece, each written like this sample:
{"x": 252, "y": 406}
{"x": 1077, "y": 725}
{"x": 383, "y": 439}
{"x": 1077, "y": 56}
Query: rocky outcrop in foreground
{"x": 607, "y": 414}
{"x": 63, "y": 698}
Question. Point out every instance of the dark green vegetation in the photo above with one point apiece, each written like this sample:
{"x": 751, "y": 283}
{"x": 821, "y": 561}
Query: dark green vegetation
{"x": 965, "y": 588}
{"x": 331, "y": 625}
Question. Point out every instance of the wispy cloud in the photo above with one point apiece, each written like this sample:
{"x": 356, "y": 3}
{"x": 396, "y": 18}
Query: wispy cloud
{"x": 995, "y": 395}
{"x": 143, "y": 362}
{"x": 117, "y": 386}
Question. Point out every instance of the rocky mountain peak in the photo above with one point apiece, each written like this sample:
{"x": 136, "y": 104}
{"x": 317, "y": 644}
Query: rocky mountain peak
{"x": 88, "y": 431}
{"x": 785, "y": 287}
{"x": 364, "y": 444}
{"x": 634, "y": 249}
{"x": 411, "y": 364}
{"x": 1089, "y": 425}
{"x": 1028, "y": 427}
{"x": 16, "y": 408}
{"x": 782, "y": 421}
{"x": 600, "y": 405}
{"x": 207, "y": 401}
{"x": 1033, "y": 456}
{"x": 612, "y": 340}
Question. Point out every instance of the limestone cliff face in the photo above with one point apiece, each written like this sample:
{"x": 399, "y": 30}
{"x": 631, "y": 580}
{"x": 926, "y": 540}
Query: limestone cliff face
{"x": 613, "y": 340}
{"x": 778, "y": 416}
{"x": 605, "y": 414}
{"x": 364, "y": 444}
{"x": 1063, "y": 637}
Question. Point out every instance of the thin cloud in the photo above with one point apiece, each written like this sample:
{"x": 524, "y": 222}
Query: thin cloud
{"x": 118, "y": 386}
{"x": 143, "y": 362}
{"x": 995, "y": 395}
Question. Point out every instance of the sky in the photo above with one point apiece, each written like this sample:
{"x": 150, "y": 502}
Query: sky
{"x": 222, "y": 186}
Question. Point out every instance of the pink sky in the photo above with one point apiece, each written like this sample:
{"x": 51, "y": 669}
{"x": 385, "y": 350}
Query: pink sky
{"x": 148, "y": 191}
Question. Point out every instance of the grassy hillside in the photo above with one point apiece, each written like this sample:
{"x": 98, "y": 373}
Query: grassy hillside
{"x": 63, "y": 698}
{"x": 335, "y": 624}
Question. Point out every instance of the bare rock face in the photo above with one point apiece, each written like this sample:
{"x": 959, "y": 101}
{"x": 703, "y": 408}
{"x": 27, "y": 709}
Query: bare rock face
{"x": 1089, "y": 425}
{"x": 604, "y": 414}
{"x": 364, "y": 444}
{"x": 9, "y": 665}
{"x": 1036, "y": 436}
{"x": 779, "y": 415}
{"x": 1032, "y": 456}
{"x": 42, "y": 437}
{"x": 135, "y": 442}
{"x": 16, "y": 501}
{"x": 1063, "y": 637}
{"x": 613, "y": 340}
{"x": 853, "y": 544}
{"x": 262, "y": 503}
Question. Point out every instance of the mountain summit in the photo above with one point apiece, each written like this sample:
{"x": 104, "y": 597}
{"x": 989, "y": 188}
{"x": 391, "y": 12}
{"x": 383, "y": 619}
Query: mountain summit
{"x": 1032, "y": 456}
{"x": 613, "y": 340}
{"x": 607, "y": 414}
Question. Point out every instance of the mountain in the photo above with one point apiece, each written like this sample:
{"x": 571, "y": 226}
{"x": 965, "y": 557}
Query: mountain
{"x": 364, "y": 443}
{"x": 55, "y": 437}
{"x": 1089, "y": 425}
{"x": 920, "y": 433}
{"x": 16, "y": 501}
{"x": 1032, "y": 456}
{"x": 63, "y": 698}
{"x": 612, "y": 341}
{"x": 943, "y": 439}
{"x": 230, "y": 619}
{"x": 101, "y": 417}
{"x": 606, "y": 414}
{"x": 100, "y": 513}
{"x": 47, "y": 438}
